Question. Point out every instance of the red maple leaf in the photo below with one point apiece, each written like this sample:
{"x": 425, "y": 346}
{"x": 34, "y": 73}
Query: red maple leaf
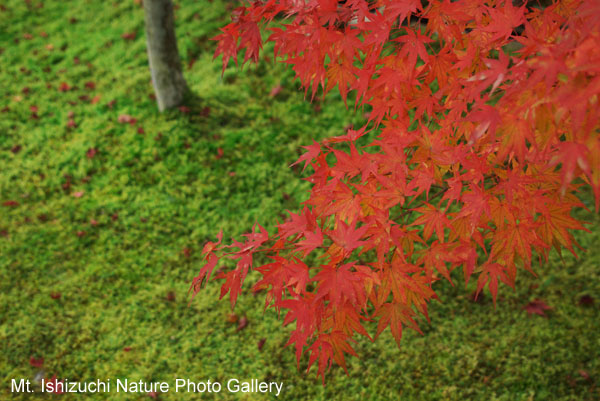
{"x": 348, "y": 237}
{"x": 313, "y": 240}
{"x": 227, "y": 44}
{"x": 538, "y": 307}
{"x": 297, "y": 223}
{"x": 36, "y": 363}
{"x": 433, "y": 220}
{"x": 312, "y": 152}
{"x": 337, "y": 284}
{"x": 395, "y": 315}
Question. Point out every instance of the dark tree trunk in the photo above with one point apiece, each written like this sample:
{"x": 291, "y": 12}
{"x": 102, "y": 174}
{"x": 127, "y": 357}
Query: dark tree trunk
{"x": 165, "y": 65}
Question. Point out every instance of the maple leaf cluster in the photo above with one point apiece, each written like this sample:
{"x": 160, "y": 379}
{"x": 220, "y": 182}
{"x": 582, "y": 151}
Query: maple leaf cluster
{"x": 487, "y": 123}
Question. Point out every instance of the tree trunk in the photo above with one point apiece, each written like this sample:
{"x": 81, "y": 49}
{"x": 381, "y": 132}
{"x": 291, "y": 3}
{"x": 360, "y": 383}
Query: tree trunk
{"x": 165, "y": 65}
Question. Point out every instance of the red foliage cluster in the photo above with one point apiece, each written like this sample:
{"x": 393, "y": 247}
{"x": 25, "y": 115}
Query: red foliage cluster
{"x": 487, "y": 116}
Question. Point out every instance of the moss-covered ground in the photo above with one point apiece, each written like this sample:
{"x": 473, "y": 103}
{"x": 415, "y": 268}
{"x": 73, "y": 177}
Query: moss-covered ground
{"x": 102, "y": 222}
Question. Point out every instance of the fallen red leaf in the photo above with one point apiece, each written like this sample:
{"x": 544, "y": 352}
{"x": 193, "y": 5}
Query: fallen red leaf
{"x": 276, "y": 90}
{"x": 261, "y": 343}
{"x": 129, "y": 35}
{"x": 90, "y": 85}
{"x": 56, "y": 389}
{"x": 91, "y": 153}
{"x": 55, "y": 295}
{"x": 10, "y": 203}
{"x": 16, "y": 149}
{"x": 584, "y": 374}
{"x": 538, "y": 307}
{"x": 127, "y": 119}
{"x": 95, "y": 99}
{"x": 184, "y": 109}
{"x": 242, "y": 323}
{"x": 586, "y": 300}
{"x": 36, "y": 363}
{"x": 78, "y": 194}
{"x": 126, "y": 349}
{"x": 64, "y": 87}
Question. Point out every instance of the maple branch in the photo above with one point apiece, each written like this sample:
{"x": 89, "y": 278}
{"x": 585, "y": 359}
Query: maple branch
{"x": 406, "y": 211}
{"x": 459, "y": 78}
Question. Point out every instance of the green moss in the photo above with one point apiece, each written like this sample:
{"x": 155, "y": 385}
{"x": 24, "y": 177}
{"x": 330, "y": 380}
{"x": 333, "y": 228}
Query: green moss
{"x": 153, "y": 194}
